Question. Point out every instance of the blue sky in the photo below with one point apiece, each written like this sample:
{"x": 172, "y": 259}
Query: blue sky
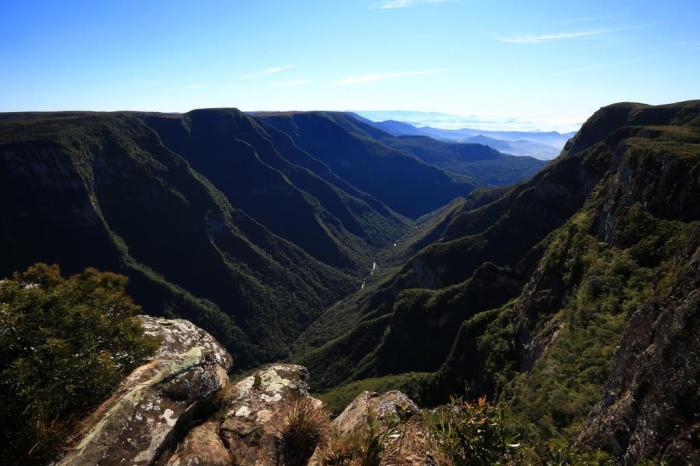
{"x": 551, "y": 63}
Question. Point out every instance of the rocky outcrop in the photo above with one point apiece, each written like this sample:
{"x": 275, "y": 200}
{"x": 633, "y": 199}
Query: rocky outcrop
{"x": 140, "y": 418}
{"x": 391, "y": 420}
{"x": 178, "y": 410}
{"x": 387, "y": 408}
{"x": 249, "y": 426}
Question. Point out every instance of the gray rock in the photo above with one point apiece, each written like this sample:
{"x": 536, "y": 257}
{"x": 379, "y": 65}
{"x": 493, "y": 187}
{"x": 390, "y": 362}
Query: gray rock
{"x": 134, "y": 424}
{"x": 251, "y": 420}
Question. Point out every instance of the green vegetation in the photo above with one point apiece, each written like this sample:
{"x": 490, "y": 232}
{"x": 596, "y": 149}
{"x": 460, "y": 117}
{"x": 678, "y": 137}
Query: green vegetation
{"x": 113, "y": 196}
{"x": 605, "y": 231}
{"x": 65, "y": 343}
{"x": 609, "y": 282}
{"x": 472, "y": 434}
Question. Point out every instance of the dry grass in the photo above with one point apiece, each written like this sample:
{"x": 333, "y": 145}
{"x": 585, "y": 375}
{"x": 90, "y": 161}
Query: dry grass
{"x": 414, "y": 443}
{"x": 307, "y": 427}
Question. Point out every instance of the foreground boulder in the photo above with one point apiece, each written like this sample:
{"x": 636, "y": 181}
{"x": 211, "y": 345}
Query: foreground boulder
{"x": 250, "y": 423}
{"x": 388, "y": 423}
{"x": 387, "y": 409}
{"x": 138, "y": 420}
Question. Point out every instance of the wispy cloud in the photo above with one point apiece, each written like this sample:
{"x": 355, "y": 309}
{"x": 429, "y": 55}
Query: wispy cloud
{"x": 393, "y": 4}
{"x": 267, "y": 71}
{"x": 368, "y": 78}
{"x": 539, "y": 38}
{"x": 169, "y": 86}
{"x": 277, "y": 69}
{"x": 630, "y": 61}
{"x": 293, "y": 82}
{"x": 586, "y": 19}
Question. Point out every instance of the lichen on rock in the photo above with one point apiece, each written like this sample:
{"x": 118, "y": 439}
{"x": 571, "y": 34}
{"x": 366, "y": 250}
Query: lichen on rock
{"x": 250, "y": 422}
{"x": 133, "y": 425}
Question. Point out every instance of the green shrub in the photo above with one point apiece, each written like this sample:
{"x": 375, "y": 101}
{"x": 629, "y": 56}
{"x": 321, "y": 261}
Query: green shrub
{"x": 560, "y": 452}
{"x": 65, "y": 343}
{"x": 473, "y": 434}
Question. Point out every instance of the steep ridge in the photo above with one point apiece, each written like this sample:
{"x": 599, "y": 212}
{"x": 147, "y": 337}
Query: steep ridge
{"x": 403, "y": 183}
{"x": 526, "y": 297}
{"x": 263, "y": 172}
{"x": 102, "y": 190}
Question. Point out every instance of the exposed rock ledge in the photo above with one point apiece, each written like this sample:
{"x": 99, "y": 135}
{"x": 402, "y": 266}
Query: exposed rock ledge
{"x": 148, "y": 419}
{"x": 250, "y": 423}
{"x": 136, "y": 422}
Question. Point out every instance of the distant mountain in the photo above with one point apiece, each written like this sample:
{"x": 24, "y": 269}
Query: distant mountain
{"x": 452, "y": 121}
{"x": 538, "y": 144}
{"x": 518, "y": 147}
{"x": 446, "y": 120}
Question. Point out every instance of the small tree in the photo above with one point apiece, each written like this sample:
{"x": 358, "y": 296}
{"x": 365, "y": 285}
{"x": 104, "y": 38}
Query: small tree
{"x": 65, "y": 343}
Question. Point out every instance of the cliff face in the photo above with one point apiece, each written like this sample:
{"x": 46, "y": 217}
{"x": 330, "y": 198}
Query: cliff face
{"x": 570, "y": 298}
{"x": 615, "y": 296}
{"x": 261, "y": 171}
{"x": 650, "y": 407}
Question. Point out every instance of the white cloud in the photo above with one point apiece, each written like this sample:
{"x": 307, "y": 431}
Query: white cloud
{"x": 601, "y": 66}
{"x": 585, "y": 19}
{"x": 277, "y": 69}
{"x": 293, "y": 82}
{"x": 539, "y": 38}
{"x": 267, "y": 71}
{"x": 367, "y": 78}
{"x": 393, "y": 4}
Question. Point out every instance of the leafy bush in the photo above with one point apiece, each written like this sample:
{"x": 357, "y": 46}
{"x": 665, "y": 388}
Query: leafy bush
{"x": 560, "y": 452}
{"x": 65, "y": 343}
{"x": 472, "y": 434}
{"x": 307, "y": 427}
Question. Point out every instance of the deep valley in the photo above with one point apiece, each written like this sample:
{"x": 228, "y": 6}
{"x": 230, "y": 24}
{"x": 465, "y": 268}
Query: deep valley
{"x": 566, "y": 293}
